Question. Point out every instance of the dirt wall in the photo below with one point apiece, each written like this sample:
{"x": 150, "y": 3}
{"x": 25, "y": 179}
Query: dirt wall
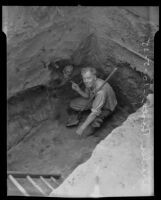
{"x": 101, "y": 36}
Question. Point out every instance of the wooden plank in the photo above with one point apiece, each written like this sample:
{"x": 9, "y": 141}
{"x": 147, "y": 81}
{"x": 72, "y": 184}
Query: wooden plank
{"x": 19, "y": 187}
{"x": 54, "y": 181}
{"x": 33, "y": 175}
{"x": 46, "y": 182}
{"x": 36, "y": 185}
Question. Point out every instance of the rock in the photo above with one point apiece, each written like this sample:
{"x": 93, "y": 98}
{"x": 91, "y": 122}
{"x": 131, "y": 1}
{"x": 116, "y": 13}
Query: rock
{"x": 152, "y": 87}
{"x": 150, "y": 100}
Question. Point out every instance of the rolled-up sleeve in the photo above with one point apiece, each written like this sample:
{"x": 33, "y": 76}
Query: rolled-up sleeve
{"x": 98, "y": 103}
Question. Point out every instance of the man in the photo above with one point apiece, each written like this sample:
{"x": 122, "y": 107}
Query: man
{"x": 67, "y": 72}
{"x": 104, "y": 101}
{"x": 61, "y": 76}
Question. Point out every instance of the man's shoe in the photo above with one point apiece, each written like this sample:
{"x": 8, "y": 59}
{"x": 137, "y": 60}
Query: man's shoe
{"x": 97, "y": 123}
{"x": 88, "y": 131}
{"x": 72, "y": 121}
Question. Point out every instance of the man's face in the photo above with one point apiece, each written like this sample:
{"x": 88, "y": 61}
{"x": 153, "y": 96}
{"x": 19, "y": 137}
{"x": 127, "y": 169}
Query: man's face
{"x": 89, "y": 79}
{"x": 68, "y": 71}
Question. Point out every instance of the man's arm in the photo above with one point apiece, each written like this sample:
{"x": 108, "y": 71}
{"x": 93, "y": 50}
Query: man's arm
{"x": 89, "y": 120}
{"x": 96, "y": 109}
{"x": 81, "y": 92}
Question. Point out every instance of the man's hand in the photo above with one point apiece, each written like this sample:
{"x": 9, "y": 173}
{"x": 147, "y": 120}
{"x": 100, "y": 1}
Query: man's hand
{"x": 75, "y": 87}
{"x": 80, "y": 130}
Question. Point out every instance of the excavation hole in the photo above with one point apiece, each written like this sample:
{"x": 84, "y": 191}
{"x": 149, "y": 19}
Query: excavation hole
{"x": 37, "y": 139}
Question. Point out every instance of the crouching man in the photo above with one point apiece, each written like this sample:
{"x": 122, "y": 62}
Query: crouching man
{"x": 103, "y": 104}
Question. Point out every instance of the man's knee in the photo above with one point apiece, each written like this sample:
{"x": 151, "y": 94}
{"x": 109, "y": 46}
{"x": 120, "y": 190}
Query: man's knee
{"x": 78, "y": 104}
{"x": 74, "y": 106}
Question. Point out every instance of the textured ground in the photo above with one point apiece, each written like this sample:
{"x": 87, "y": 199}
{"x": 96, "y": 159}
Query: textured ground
{"x": 120, "y": 165}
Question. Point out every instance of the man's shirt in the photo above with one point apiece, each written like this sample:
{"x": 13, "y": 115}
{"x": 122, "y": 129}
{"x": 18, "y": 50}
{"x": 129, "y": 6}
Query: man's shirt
{"x": 104, "y": 98}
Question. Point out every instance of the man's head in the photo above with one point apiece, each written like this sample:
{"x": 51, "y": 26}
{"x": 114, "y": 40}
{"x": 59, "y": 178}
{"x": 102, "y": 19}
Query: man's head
{"x": 67, "y": 71}
{"x": 89, "y": 76}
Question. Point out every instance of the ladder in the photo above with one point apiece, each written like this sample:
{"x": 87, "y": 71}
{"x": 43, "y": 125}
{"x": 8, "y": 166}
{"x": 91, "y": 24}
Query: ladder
{"x": 29, "y": 184}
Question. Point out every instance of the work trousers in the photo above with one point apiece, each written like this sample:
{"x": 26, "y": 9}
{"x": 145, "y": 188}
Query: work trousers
{"x": 80, "y": 103}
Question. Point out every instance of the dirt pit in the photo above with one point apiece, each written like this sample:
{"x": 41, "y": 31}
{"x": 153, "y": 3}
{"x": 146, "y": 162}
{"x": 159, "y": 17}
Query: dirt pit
{"x": 38, "y": 140}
